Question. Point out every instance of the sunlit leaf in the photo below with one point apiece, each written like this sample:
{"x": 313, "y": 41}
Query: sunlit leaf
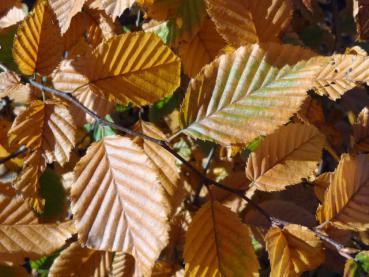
{"x": 12, "y": 16}
{"x": 218, "y": 244}
{"x": 293, "y": 250}
{"x": 118, "y": 183}
{"x": 35, "y": 35}
{"x": 114, "y": 8}
{"x": 123, "y": 265}
{"x": 11, "y": 86}
{"x": 248, "y": 93}
{"x": 285, "y": 157}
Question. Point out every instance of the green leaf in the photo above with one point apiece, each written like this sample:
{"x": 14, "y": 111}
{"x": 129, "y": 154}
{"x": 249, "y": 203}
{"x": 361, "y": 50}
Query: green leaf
{"x": 98, "y": 131}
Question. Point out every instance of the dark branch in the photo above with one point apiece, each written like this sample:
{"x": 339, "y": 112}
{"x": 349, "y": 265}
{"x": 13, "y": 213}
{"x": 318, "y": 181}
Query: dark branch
{"x": 22, "y": 149}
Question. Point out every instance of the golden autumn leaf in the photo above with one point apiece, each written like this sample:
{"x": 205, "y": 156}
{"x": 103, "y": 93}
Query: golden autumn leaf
{"x": 76, "y": 260}
{"x": 117, "y": 181}
{"x": 361, "y": 131}
{"x": 340, "y": 74}
{"x": 321, "y": 184}
{"x": 168, "y": 171}
{"x": 293, "y": 250}
{"x": 243, "y": 22}
{"x": 113, "y": 8}
{"x": 218, "y": 244}
{"x": 345, "y": 200}
{"x": 285, "y": 157}
{"x": 47, "y": 126}
{"x": 202, "y": 48}
{"x": 18, "y": 241}
{"x": 239, "y": 96}
{"x": 123, "y": 265}
{"x": 31, "y": 48}
{"x": 133, "y": 67}
{"x": 65, "y": 10}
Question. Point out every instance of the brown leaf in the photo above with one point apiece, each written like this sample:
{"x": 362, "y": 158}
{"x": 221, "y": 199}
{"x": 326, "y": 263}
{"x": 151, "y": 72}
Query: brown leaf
{"x": 118, "y": 202}
{"x": 123, "y": 265}
{"x": 11, "y": 86}
{"x": 361, "y": 131}
{"x": 285, "y": 157}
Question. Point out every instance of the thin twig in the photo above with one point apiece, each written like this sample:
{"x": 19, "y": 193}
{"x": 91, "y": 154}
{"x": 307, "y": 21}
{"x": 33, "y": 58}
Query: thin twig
{"x": 22, "y": 149}
{"x": 205, "y": 180}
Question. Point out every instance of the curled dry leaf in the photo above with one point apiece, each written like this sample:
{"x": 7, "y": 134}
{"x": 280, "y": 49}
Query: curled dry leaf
{"x": 293, "y": 250}
{"x": 134, "y": 67}
{"x": 118, "y": 202}
{"x": 345, "y": 202}
{"x": 11, "y": 86}
{"x": 123, "y": 265}
{"x": 65, "y": 10}
{"x": 18, "y": 241}
{"x": 31, "y": 48}
{"x": 243, "y": 22}
{"x": 217, "y": 243}
{"x": 239, "y": 96}
{"x": 285, "y": 157}
{"x": 80, "y": 261}
{"x": 340, "y": 74}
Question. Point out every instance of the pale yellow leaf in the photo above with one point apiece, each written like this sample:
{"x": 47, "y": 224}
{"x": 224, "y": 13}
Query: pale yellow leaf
{"x": 48, "y": 126}
{"x": 293, "y": 250}
{"x": 248, "y": 93}
{"x": 65, "y": 10}
{"x": 218, "y": 244}
{"x": 38, "y": 45}
{"x": 118, "y": 202}
{"x": 80, "y": 261}
{"x": 345, "y": 202}
{"x": 340, "y": 74}
{"x": 202, "y": 49}
{"x": 133, "y": 67}
{"x": 251, "y": 21}
{"x": 285, "y": 157}
{"x": 18, "y": 241}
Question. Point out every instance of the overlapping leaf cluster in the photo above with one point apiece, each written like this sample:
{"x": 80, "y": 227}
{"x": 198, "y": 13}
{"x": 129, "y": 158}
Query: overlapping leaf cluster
{"x": 213, "y": 80}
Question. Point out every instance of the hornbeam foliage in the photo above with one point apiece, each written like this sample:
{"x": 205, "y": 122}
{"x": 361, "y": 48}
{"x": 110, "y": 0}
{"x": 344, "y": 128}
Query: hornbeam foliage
{"x": 184, "y": 138}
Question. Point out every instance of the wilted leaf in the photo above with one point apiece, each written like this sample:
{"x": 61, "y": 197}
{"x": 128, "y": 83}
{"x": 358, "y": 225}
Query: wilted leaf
{"x": 340, "y": 74}
{"x": 47, "y": 126}
{"x": 31, "y": 48}
{"x": 218, "y": 244}
{"x": 248, "y": 93}
{"x": 31, "y": 240}
{"x": 76, "y": 260}
{"x": 134, "y": 67}
{"x": 118, "y": 183}
{"x": 65, "y": 10}
{"x": 285, "y": 157}
{"x": 202, "y": 49}
{"x": 123, "y": 265}
{"x": 242, "y": 22}
{"x": 293, "y": 250}
{"x": 345, "y": 202}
